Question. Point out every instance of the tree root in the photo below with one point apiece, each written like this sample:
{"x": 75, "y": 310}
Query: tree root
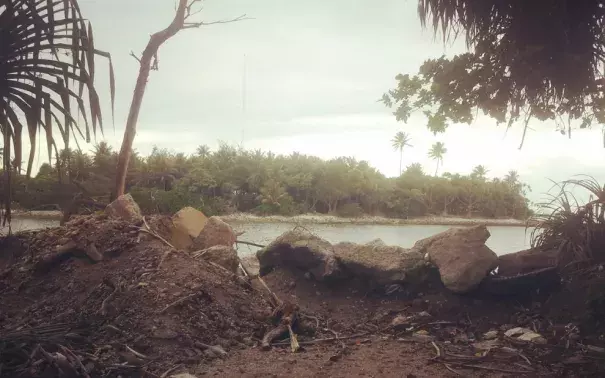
{"x": 272, "y": 335}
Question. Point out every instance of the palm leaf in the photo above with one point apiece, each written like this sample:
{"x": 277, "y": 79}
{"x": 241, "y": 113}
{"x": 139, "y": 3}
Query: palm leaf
{"x": 47, "y": 50}
{"x": 576, "y": 230}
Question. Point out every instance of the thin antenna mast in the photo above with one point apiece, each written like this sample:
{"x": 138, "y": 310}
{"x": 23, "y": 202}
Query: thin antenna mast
{"x": 243, "y": 101}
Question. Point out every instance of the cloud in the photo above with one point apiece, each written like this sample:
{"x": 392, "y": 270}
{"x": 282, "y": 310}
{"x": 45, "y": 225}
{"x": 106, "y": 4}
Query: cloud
{"x": 314, "y": 72}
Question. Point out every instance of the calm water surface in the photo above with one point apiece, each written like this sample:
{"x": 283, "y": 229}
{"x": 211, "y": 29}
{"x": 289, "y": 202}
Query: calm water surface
{"x": 503, "y": 239}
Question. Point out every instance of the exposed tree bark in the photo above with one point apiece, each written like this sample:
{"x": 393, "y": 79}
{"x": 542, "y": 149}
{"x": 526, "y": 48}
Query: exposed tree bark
{"x": 150, "y": 54}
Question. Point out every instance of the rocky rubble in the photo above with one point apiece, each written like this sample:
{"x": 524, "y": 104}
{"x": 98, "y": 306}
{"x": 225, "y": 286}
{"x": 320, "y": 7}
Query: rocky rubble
{"x": 460, "y": 255}
{"x": 125, "y": 207}
{"x": 300, "y": 249}
{"x": 187, "y": 224}
{"x": 381, "y": 263}
{"x": 214, "y": 232}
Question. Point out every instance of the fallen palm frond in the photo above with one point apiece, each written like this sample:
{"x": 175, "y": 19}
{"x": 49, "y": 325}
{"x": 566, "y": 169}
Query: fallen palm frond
{"x": 576, "y": 231}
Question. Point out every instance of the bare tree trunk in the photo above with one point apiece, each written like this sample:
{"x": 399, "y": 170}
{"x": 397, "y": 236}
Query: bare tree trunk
{"x": 149, "y": 54}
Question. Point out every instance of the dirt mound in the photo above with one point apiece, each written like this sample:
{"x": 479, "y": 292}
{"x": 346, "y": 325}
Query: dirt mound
{"x": 140, "y": 310}
{"x": 143, "y": 309}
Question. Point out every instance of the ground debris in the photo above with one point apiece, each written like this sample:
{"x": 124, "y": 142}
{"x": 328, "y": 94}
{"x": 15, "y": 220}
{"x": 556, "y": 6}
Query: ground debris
{"x": 80, "y": 317}
{"x": 128, "y": 315}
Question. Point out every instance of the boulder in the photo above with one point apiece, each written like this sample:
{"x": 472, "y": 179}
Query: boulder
{"x": 124, "y": 207}
{"x": 380, "y": 263}
{"x": 215, "y": 232}
{"x": 222, "y": 255}
{"x": 187, "y": 224}
{"x": 529, "y": 260}
{"x": 300, "y": 249}
{"x": 461, "y": 256}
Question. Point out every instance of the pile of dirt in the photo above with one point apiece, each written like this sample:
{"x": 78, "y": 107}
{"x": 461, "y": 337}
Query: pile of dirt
{"x": 140, "y": 309}
{"x": 137, "y": 307}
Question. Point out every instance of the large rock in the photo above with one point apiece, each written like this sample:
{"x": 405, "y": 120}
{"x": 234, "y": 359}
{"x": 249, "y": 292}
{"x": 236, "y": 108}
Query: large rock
{"x": 380, "y": 263}
{"x": 461, "y": 256}
{"x": 222, "y": 255}
{"x": 299, "y": 249}
{"x": 124, "y": 207}
{"x": 526, "y": 261}
{"x": 187, "y": 224}
{"x": 215, "y": 232}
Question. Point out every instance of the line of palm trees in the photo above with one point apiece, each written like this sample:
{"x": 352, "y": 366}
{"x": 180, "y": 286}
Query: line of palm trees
{"x": 402, "y": 140}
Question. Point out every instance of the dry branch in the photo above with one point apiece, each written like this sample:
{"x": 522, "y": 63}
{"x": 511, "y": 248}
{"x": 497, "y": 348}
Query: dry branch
{"x": 249, "y": 243}
{"x": 326, "y": 340}
{"x": 148, "y": 62}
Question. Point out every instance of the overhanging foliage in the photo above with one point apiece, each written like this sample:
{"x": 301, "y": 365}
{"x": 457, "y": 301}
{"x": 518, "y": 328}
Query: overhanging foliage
{"x": 47, "y": 60}
{"x": 528, "y": 59}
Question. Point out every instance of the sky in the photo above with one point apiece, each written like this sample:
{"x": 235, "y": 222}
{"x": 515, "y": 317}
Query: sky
{"x": 314, "y": 71}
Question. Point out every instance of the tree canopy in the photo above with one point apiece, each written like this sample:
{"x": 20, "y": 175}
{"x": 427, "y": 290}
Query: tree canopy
{"x": 231, "y": 179}
{"x": 526, "y": 59}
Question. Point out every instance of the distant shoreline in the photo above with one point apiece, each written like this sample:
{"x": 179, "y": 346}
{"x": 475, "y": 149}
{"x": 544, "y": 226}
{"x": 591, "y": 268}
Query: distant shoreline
{"x": 370, "y": 220}
{"x": 326, "y": 219}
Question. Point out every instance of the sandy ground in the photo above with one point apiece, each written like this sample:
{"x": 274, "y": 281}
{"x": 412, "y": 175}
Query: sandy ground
{"x": 326, "y": 219}
{"x": 331, "y": 219}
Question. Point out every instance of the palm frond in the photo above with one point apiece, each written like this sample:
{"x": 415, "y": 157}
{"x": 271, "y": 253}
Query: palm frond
{"x": 47, "y": 50}
{"x": 576, "y": 231}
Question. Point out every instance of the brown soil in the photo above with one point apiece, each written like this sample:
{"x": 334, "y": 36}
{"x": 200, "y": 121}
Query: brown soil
{"x": 223, "y": 312}
{"x": 220, "y": 311}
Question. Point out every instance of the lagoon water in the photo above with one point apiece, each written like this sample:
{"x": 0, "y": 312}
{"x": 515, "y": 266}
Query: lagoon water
{"x": 504, "y": 239}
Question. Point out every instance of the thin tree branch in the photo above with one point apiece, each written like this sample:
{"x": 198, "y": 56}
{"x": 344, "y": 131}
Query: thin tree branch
{"x": 132, "y": 54}
{"x": 188, "y": 11}
{"x": 192, "y": 25}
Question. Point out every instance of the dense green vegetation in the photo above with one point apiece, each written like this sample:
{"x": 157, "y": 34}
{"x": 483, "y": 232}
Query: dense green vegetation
{"x": 230, "y": 179}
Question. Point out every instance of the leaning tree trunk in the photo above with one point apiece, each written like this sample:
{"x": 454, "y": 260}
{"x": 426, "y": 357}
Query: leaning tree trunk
{"x": 149, "y": 54}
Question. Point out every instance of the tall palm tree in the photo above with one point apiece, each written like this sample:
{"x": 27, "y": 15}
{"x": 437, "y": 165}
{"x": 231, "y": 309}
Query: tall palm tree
{"x": 47, "y": 51}
{"x": 202, "y": 151}
{"x": 436, "y": 153}
{"x": 400, "y": 141}
{"x": 479, "y": 172}
{"x": 512, "y": 178}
